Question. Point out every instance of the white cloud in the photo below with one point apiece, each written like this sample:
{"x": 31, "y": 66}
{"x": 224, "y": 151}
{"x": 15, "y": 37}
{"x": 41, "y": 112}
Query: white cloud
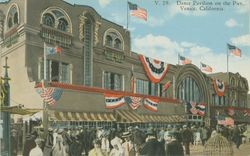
{"x": 104, "y": 3}
{"x": 165, "y": 49}
{"x": 187, "y": 44}
{"x": 244, "y": 7}
{"x": 232, "y": 23}
{"x": 243, "y": 40}
{"x": 159, "y": 47}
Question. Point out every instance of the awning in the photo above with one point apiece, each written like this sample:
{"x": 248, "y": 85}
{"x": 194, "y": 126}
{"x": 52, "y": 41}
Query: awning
{"x": 128, "y": 116}
{"x": 163, "y": 118}
{"x": 81, "y": 116}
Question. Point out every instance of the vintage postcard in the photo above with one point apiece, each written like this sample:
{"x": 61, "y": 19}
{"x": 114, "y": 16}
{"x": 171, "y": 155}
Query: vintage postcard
{"x": 124, "y": 77}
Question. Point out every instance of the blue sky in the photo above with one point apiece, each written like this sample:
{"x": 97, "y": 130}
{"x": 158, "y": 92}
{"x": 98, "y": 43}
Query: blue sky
{"x": 199, "y": 35}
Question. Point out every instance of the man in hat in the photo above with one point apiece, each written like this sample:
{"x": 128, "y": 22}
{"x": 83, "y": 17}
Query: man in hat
{"x": 48, "y": 143}
{"x": 37, "y": 151}
{"x": 187, "y": 137}
{"x": 152, "y": 147}
{"x": 174, "y": 147}
{"x": 128, "y": 145}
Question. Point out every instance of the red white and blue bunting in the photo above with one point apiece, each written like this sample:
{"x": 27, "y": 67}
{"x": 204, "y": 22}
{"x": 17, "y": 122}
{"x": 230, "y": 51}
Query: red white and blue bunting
{"x": 133, "y": 102}
{"x": 113, "y": 100}
{"x": 155, "y": 69}
{"x": 219, "y": 87}
{"x": 151, "y": 104}
{"x": 196, "y": 108}
{"x": 50, "y": 95}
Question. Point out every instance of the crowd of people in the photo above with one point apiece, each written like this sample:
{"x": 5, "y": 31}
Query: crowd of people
{"x": 173, "y": 140}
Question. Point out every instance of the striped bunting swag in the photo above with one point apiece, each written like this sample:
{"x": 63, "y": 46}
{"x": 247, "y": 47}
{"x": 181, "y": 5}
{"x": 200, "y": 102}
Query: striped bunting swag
{"x": 151, "y": 104}
{"x": 113, "y": 100}
{"x": 219, "y": 87}
{"x": 155, "y": 69}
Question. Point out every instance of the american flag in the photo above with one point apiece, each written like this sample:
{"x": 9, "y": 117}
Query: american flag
{"x": 137, "y": 12}
{"x": 133, "y": 102}
{"x": 206, "y": 68}
{"x": 234, "y": 50}
{"x": 50, "y": 95}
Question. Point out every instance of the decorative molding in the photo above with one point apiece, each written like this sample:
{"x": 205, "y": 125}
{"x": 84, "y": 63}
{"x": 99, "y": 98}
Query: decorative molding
{"x": 115, "y": 57}
{"x": 82, "y": 19}
{"x": 1, "y": 25}
{"x": 96, "y": 36}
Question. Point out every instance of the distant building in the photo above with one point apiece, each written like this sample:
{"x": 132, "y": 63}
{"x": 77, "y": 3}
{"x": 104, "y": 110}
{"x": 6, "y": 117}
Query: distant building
{"x": 96, "y": 60}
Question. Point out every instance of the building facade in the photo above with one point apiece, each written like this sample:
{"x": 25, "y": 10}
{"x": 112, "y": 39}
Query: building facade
{"x": 95, "y": 61}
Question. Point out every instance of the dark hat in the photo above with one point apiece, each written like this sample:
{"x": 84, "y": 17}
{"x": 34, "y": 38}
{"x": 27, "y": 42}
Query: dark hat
{"x": 150, "y": 131}
{"x": 126, "y": 134}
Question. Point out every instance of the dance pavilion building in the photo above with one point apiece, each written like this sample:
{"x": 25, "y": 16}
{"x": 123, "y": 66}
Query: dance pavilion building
{"x": 93, "y": 78}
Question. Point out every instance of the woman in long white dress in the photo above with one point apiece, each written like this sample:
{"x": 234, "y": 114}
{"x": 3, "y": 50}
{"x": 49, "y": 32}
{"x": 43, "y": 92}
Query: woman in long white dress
{"x": 59, "y": 149}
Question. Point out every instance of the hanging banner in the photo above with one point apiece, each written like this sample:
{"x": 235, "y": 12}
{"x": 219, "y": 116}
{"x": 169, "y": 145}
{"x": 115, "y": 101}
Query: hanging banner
{"x": 155, "y": 69}
{"x": 113, "y": 100}
{"x": 151, "y": 104}
{"x": 219, "y": 87}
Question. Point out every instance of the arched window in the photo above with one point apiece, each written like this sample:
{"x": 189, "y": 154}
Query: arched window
{"x": 188, "y": 90}
{"x": 48, "y": 20}
{"x": 117, "y": 44}
{"x": 12, "y": 17}
{"x": 113, "y": 39}
{"x": 57, "y": 18}
{"x": 63, "y": 24}
{"x": 15, "y": 18}
{"x": 108, "y": 41}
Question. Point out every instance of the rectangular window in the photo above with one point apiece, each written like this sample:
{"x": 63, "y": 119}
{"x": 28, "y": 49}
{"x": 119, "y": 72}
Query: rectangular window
{"x": 56, "y": 71}
{"x": 142, "y": 86}
{"x": 113, "y": 81}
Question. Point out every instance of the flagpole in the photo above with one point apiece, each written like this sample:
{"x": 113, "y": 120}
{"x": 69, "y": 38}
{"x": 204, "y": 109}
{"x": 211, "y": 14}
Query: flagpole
{"x": 44, "y": 61}
{"x": 227, "y": 59}
{"x": 45, "y": 114}
{"x": 178, "y": 59}
{"x": 127, "y": 15}
{"x": 228, "y": 98}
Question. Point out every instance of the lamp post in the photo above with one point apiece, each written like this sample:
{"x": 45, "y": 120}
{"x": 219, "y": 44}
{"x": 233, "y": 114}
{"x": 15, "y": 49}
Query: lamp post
{"x": 5, "y": 116}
